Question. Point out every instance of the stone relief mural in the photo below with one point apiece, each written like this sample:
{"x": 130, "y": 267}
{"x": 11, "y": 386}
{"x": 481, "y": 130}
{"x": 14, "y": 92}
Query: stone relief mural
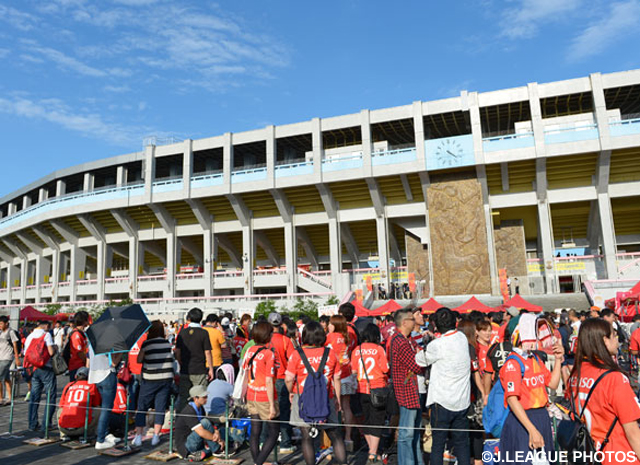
{"x": 511, "y": 254}
{"x": 418, "y": 262}
{"x": 458, "y": 235}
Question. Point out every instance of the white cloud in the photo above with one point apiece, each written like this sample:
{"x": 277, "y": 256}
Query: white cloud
{"x": 136, "y": 2}
{"x": 620, "y": 22}
{"x": 16, "y": 18}
{"x": 67, "y": 62}
{"x": 524, "y": 20}
{"x": 57, "y": 112}
{"x": 4, "y": 52}
{"x": 117, "y": 89}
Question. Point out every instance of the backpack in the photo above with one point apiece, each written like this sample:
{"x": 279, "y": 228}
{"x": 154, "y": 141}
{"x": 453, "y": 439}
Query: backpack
{"x": 495, "y": 413}
{"x": 19, "y": 340}
{"x": 37, "y": 354}
{"x": 240, "y": 386}
{"x": 66, "y": 350}
{"x": 313, "y": 403}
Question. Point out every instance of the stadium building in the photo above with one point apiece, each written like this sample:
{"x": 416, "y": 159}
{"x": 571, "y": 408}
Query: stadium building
{"x": 539, "y": 182}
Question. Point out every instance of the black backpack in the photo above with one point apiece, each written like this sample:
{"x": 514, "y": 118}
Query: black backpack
{"x": 66, "y": 350}
{"x": 573, "y": 435}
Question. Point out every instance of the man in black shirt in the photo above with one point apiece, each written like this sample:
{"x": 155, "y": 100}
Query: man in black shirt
{"x": 195, "y": 436}
{"x": 193, "y": 353}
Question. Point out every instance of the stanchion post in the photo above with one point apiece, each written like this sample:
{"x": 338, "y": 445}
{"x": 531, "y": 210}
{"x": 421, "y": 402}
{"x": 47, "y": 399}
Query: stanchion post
{"x": 46, "y": 415}
{"x": 226, "y": 429}
{"x": 171, "y": 419}
{"x": 86, "y": 418}
{"x": 13, "y": 399}
{"x": 126, "y": 423}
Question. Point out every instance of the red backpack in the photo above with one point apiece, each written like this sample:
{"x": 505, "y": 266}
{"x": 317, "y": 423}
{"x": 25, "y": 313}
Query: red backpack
{"x": 37, "y": 354}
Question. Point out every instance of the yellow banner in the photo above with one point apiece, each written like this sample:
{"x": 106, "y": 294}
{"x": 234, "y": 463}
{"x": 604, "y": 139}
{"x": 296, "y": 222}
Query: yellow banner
{"x": 395, "y": 275}
{"x": 560, "y": 266}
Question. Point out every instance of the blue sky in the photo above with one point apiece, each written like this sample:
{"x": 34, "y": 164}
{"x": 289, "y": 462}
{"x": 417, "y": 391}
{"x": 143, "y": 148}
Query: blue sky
{"x": 84, "y": 80}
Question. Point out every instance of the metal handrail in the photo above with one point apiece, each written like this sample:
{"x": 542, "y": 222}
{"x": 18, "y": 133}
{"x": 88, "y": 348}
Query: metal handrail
{"x": 352, "y": 156}
{"x": 570, "y": 128}
{"x": 290, "y": 166}
{"x": 386, "y": 153}
{"x": 167, "y": 181}
{"x": 249, "y": 171}
{"x": 517, "y": 135}
{"x": 202, "y": 177}
{"x": 315, "y": 278}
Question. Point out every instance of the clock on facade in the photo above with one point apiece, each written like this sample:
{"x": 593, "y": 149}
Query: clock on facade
{"x": 449, "y": 152}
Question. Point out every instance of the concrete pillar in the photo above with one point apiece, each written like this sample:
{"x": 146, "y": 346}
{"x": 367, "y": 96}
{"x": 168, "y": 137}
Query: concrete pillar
{"x": 149, "y": 171}
{"x": 600, "y": 111}
{"x": 171, "y": 266}
{"x": 291, "y": 256}
{"x": 248, "y": 258}
{"x": 39, "y": 277}
{"x": 121, "y": 174}
{"x": 382, "y": 234}
{"x": 227, "y": 159}
{"x": 270, "y": 135}
{"x": 418, "y": 128}
{"x": 26, "y": 202}
{"x": 545, "y": 232}
{"x": 78, "y": 265}
{"x": 101, "y": 272}
{"x": 209, "y": 257}
{"x": 89, "y": 180}
{"x": 133, "y": 267}
{"x": 609, "y": 248}
{"x": 365, "y": 129}
{"x": 42, "y": 194}
{"x": 187, "y": 168}
{"x": 317, "y": 147}
{"x": 12, "y": 275}
{"x": 24, "y": 268}
{"x": 335, "y": 251}
{"x": 61, "y": 187}
{"x": 12, "y": 208}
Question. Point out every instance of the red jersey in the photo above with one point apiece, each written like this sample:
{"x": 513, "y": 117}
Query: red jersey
{"x": 613, "y": 397}
{"x": 495, "y": 333}
{"x": 387, "y": 331}
{"x": 530, "y": 389}
{"x": 501, "y": 331}
{"x": 73, "y": 403}
{"x": 263, "y": 367}
{"x": 335, "y": 341}
{"x": 296, "y": 367}
{"x": 120, "y": 402}
{"x": 353, "y": 338}
{"x": 375, "y": 363}
{"x": 482, "y": 357}
{"x": 283, "y": 348}
{"x": 78, "y": 345}
{"x": 634, "y": 343}
{"x": 239, "y": 343}
{"x": 134, "y": 366}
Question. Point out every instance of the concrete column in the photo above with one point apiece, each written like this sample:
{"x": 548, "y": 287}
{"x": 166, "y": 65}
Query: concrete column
{"x": 12, "y": 274}
{"x": 24, "y": 268}
{"x": 291, "y": 256}
{"x": 208, "y": 256}
{"x": 600, "y": 111}
{"x": 608, "y": 235}
{"x": 121, "y": 174}
{"x": 317, "y": 147}
{"x": 471, "y": 102}
{"x": 89, "y": 180}
{"x": 365, "y": 129}
{"x": 187, "y": 168}
{"x": 61, "y": 187}
{"x": 248, "y": 258}
{"x": 382, "y": 234}
{"x": 101, "y": 272}
{"x": 536, "y": 119}
{"x": 335, "y": 251}
{"x": 54, "y": 279}
{"x": 270, "y": 134}
{"x": 133, "y": 267}
{"x": 171, "y": 266}
{"x": 26, "y": 202}
{"x": 12, "y": 208}
{"x": 149, "y": 171}
{"x": 227, "y": 159}
{"x": 78, "y": 265}
{"x": 488, "y": 221}
{"x": 545, "y": 232}
{"x": 418, "y": 128}
{"x": 39, "y": 278}
{"x": 42, "y": 194}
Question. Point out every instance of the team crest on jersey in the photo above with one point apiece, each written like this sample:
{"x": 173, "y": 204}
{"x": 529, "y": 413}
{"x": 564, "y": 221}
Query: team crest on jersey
{"x": 510, "y": 367}
{"x": 511, "y": 387}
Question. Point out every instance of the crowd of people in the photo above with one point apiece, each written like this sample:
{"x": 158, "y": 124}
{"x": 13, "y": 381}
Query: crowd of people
{"x": 407, "y": 382}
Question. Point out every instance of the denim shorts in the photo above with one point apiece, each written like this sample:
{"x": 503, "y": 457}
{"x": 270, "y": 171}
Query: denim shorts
{"x": 5, "y": 366}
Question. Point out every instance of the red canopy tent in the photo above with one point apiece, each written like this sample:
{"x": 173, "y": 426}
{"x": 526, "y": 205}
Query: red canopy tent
{"x": 473, "y": 304}
{"x": 360, "y": 309}
{"x": 431, "y": 306}
{"x": 518, "y": 302}
{"x": 63, "y": 316}
{"x": 31, "y": 314}
{"x": 390, "y": 307}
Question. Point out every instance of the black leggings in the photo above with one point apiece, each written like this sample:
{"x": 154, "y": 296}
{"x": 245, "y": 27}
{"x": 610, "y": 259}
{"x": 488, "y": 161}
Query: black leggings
{"x": 260, "y": 456}
{"x": 337, "y": 442}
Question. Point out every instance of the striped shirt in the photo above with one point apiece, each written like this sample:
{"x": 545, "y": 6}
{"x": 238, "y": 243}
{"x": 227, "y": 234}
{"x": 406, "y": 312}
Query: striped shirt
{"x": 157, "y": 364}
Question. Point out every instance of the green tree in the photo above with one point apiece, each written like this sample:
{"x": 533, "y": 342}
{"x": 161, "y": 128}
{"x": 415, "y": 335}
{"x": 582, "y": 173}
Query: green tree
{"x": 333, "y": 300}
{"x": 264, "y": 308}
{"x": 52, "y": 309}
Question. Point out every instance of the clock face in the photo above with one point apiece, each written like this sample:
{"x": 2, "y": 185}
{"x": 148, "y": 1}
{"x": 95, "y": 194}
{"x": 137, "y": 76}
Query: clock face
{"x": 449, "y": 153}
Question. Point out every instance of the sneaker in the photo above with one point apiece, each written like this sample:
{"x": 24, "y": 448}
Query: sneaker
{"x": 107, "y": 444}
{"x": 155, "y": 440}
{"x": 197, "y": 457}
{"x": 27, "y": 397}
{"x": 219, "y": 452}
{"x": 112, "y": 438}
{"x": 137, "y": 441}
{"x": 286, "y": 450}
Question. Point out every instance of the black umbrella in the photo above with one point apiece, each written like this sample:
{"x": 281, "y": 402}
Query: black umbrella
{"x": 118, "y": 329}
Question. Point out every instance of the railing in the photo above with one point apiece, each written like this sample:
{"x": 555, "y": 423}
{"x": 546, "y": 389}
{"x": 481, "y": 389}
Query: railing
{"x": 185, "y": 276}
{"x": 64, "y": 284}
{"x": 117, "y": 280}
{"x": 212, "y": 175}
{"x": 624, "y": 127}
{"x": 166, "y": 181}
{"x": 290, "y": 166}
{"x": 153, "y": 277}
{"x": 315, "y": 278}
{"x": 31, "y": 287}
{"x": 508, "y": 141}
{"x": 571, "y": 133}
{"x": 249, "y": 171}
{"x": 627, "y": 261}
{"x": 321, "y": 273}
{"x": 352, "y": 156}
{"x": 72, "y": 196}
{"x": 87, "y": 282}
{"x": 228, "y": 273}
{"x": 270, "y": 272}
{"x": 383, "y": 157}
{"x": 46, "y": 286}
